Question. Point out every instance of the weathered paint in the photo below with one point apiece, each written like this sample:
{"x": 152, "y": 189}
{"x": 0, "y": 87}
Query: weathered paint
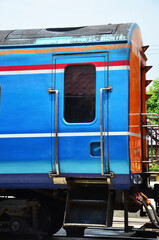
{"x": 137, "y": 94}
{"x": 63, "y": 50}
{"x": 65, "y": 36}
{"x": 82, "y": 39}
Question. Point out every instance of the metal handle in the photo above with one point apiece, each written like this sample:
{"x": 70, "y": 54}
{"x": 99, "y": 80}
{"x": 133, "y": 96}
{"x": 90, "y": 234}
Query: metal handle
{"x": 109, "y": 88}
{"x": 50, "y": 90}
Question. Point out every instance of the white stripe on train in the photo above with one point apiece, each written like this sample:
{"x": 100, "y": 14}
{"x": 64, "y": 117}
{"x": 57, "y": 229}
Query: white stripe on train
{"x": 73, "y": 134}
{"x": 46, "y": 71}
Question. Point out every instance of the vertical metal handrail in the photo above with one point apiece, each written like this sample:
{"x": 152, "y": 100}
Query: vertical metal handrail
{"x": 101, "y": 129}
{"x": 151, "y": 145}
{"x": 157, "y": 143}
{"x": 50, "y": 90}
{"x": 109, "y": 88}
{"x": 153, "y": 128}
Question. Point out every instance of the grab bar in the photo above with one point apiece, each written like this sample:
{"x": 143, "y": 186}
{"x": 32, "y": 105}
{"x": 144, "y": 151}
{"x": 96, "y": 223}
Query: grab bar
{"x": 109, "y": 88}
{"x": 50, "y": 90}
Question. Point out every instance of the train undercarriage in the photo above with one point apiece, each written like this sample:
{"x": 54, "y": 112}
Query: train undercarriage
{"x": 43, "y": 213}
{"x": 31, "y": 212}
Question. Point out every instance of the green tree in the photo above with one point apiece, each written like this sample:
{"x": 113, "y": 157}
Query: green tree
{"x": 153, "y": 107}
{"x": 153, "y": 101}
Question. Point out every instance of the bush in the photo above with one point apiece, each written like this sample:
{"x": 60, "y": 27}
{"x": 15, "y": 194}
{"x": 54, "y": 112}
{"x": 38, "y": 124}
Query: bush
{"x": 154, "y": 167}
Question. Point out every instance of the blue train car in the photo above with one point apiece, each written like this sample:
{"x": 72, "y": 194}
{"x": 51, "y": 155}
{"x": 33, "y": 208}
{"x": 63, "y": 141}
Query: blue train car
{"x": 70, "y": 107}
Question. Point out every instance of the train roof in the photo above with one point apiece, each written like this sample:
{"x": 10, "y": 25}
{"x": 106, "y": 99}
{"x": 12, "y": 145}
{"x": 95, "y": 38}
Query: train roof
{"x": 87, "y": 34}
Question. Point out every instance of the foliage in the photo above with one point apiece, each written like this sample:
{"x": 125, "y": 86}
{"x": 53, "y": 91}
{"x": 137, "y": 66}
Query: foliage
{"x": 154, "y": 167}
{"x": 153, "y": 101}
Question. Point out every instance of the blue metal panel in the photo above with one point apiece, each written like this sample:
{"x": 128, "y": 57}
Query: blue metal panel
{"x": 25, "y": 101}
{"x": 121, "y": 181}
{"x": 119, "y": 100}
{"x": 25, "y": 59}
{"x": 22, "y": 181}
{"x": 26, "y": 108}
{"x": 25, "y": 155}
{"x": 75, "y": 156}
{"x": 27, "y": 181}
{"x": 119, "y": 54}
{"x": 119, "y": 154}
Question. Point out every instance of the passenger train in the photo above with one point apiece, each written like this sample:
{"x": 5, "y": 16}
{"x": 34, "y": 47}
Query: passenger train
{"x": 73, "y": 127}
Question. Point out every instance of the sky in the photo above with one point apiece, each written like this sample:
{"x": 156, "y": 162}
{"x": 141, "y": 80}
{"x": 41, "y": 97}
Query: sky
{"x": 30, "y": 14}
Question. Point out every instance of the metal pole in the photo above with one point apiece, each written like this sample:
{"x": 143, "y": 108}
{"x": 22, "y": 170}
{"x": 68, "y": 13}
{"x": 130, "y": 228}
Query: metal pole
{"x": 151, "y": 147}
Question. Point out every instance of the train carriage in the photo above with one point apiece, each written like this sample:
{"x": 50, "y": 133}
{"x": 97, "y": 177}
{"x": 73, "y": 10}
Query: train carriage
{"x": 71, "y": 122}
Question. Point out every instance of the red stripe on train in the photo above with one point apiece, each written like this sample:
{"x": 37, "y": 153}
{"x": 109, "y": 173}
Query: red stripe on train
{"x": 61, "y": 66}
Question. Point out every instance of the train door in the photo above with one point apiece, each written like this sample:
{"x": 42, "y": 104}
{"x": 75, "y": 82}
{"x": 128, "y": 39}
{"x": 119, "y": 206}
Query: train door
{"x": 80, "y": 114}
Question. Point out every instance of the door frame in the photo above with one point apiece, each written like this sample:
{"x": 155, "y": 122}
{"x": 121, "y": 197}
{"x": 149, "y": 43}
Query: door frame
{"x": 107, "y": 88}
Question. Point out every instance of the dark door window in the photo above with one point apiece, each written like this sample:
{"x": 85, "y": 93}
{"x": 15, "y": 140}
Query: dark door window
{"x": 79, "y": 93}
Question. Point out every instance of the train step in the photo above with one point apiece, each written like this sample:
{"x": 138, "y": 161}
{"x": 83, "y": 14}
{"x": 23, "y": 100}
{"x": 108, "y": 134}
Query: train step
{"x": 88, "y": 204}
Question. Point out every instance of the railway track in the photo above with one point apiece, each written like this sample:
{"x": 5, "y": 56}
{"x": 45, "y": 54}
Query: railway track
{"x": 111, "y": 233}
{"x": 95, "y": 234}
{"x": 140, "y": 231}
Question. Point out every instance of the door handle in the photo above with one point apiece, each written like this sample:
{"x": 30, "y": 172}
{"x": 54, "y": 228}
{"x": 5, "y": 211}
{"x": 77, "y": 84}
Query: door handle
{"x": 51, "y": 90}
{"x": 109, "y": 89}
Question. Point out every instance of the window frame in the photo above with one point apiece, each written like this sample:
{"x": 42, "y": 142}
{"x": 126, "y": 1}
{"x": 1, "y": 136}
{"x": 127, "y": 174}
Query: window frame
{"x": 84, "y": 122}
